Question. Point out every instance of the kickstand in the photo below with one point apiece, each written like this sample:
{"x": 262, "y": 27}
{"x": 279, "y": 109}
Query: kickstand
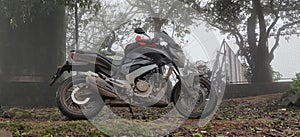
{"x": 131, "y": 111}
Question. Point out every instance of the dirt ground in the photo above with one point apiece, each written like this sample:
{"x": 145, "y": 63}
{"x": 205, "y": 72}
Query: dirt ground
{"x": 252, "y": 116}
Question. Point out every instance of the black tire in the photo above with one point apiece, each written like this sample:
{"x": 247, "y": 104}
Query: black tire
{"x": 209, "y": 105}
{"x": 74, "y": 111}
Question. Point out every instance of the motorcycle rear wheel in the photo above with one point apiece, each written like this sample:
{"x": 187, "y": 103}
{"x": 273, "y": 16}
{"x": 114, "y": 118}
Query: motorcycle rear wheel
{"x": 72, "y": 110}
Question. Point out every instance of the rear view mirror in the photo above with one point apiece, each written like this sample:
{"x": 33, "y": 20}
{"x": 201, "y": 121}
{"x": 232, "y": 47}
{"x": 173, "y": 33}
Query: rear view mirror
{"x": 139, "y": 31}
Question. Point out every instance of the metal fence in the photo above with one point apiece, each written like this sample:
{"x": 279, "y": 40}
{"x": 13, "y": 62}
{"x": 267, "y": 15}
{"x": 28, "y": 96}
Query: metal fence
{"x": 235, "y": 71}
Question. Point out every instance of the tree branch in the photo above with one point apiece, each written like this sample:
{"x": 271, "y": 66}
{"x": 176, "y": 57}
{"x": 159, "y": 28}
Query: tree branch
{"x": 194, "y": 4}
{"x": 146, "y": 5}
{"x": 243, "y": 49}
{"x": 276, "y": 16}
{"x": 262, "y": 23}
{"x": 240, "y": 41}
{"x": 279, "y": 34}
{"x": 251, "y": 27}
{"x": 173, "y": 7}
{"x": 232, "y": 30}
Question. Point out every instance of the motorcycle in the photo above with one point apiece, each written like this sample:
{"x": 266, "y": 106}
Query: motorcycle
{"x": 152, "y": 73}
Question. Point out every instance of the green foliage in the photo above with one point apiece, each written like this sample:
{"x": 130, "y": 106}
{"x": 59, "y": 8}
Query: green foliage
{"x": 22, "y": 11}
{"x": 296, "y": 83}
{"x": 121, "y": 17}
{"x": 276, "y": 75}
{"x": 83, "y": 4}
{"x": 197, "y": 135}
{"x": 165, "y": 14}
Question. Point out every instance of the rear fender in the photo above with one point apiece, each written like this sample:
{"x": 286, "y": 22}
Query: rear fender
{"x": 76, "y": 66}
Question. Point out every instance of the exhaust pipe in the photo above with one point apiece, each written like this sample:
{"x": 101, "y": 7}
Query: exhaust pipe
{"x": 94, "y": 82}
{"x": 122, "y": 103}
{"x": 97, "y": 84}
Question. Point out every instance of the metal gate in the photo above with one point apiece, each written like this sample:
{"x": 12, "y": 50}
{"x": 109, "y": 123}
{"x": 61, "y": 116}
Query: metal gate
{"x": 234, "y": 68}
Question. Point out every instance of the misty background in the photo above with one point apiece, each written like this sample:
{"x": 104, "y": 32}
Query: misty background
{"x": 286, "y": 59}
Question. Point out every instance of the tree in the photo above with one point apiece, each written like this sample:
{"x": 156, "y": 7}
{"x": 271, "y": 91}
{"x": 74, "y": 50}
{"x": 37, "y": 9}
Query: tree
{"x": 26, "y": 18}
{"x": 32, "y": 45}
{"x": 94, "y": 27}
{"x": 165, "y": 13}
{"x": 120, "y": 18}
{"x": 253, "y": 24}
{"x": 32, "y": 41}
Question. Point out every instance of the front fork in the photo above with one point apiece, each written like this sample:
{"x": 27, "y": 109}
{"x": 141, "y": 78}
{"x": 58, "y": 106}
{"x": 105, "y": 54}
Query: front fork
{"x": 184, "y": 80}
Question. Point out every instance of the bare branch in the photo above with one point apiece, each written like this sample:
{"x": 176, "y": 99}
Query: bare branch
{"x": 261, "y": 21}
{"x": 232, "y": 30}
{"x": 243, "y": 49}
{"x": 276, "y": 16}
{"x": 173, "y": 7}
{"x": 221, "y": 28}
{"x": 239, "y": 40}
{"x": 279, "y": 34}
{"x": 145, "y": 5}
{"x": 194, "y": 4}
{"x": 251, "y": 27}
{"x": 148, "y": 4}
{"x": 285, "y": 34}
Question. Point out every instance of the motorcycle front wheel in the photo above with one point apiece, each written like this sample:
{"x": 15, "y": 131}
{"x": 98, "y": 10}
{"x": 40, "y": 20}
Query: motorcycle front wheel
{"x": 92, "y": 101}
{"x": 199, "y": 105}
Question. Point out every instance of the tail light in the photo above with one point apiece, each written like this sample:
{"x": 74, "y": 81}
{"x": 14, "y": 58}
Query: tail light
{"x": 137, "y": 38}
{"x": 140, "y": 40}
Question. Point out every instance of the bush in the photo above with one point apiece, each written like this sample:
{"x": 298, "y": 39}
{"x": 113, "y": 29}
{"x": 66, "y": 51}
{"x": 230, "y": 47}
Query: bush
{"x": 276, "y": 75}
{"x": 296, "y": 83}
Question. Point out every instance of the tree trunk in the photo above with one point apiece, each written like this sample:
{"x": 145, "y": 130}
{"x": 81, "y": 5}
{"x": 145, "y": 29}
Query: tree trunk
{"x": 29, "y": 55}
{"x": 262, "y": 72}
{"x": 158, "y": 23}
{"x": 261, "y": 69}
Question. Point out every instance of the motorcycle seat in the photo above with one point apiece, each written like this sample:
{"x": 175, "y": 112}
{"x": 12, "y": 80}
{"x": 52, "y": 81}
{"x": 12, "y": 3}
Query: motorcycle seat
{"x": 112, "y": 61}
{"x": 115, "y": 63}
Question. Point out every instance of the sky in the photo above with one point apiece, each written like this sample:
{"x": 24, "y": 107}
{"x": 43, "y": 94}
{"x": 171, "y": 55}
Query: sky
{"x": 287, "y": 56}
{"x": 203, "y": 46}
